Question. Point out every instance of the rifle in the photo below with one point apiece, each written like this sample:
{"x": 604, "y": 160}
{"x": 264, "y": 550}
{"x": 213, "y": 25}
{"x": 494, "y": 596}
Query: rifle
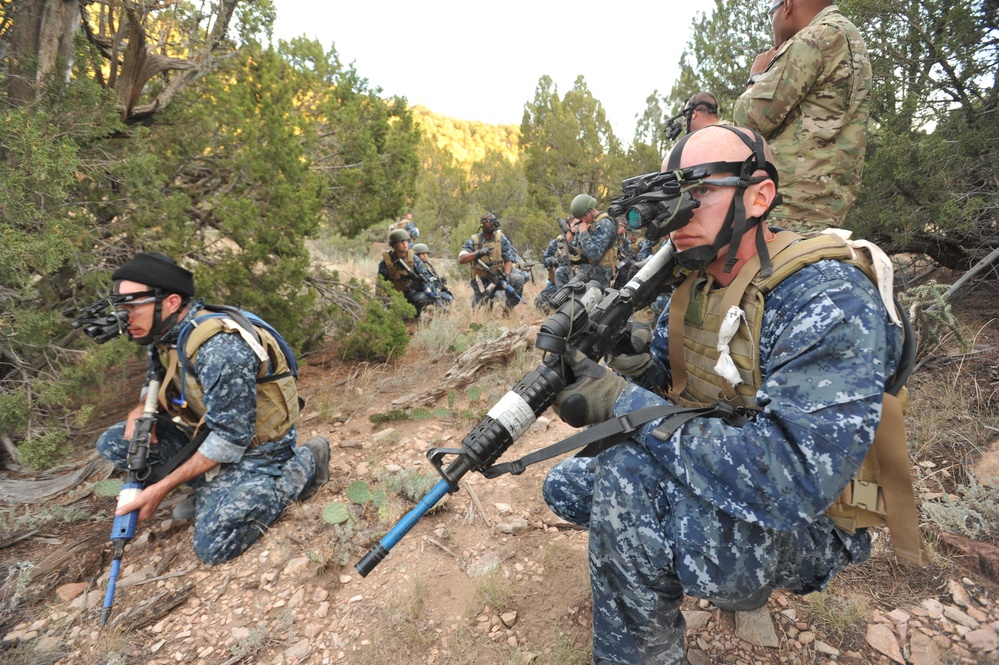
{"x": 421, "y": 283}
{"x": 497, "y": 281}
{"x": 587, "y": 318}
{"x": 123, "y": 527}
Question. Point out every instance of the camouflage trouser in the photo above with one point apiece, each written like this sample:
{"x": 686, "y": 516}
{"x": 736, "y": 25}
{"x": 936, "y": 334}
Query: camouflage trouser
{"x": 482, "y": 295}
{"x": 235, "y": 507}
{"x": 543, "y": 301}
{"x": 418, "y": 299}
{"x": 652, "y": 540}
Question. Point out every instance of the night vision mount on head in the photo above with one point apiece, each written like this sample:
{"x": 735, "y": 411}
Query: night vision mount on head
{"x": 661, "y": 203}
{"x": 736, "y": 223}
{"x": 702, "y": 101}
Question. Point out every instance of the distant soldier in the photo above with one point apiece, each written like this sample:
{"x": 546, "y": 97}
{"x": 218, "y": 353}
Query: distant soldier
{"x": 437, "y": 283}
{"x": 699, "y": 111}
{"x": 406, "y": 224}
{"x": 810, "y": 97}
{"x": 556, "y": 256}
{"x": 492, "y": 257}
{"x": 405, "y": 271}
{"x": 595, "y": 241}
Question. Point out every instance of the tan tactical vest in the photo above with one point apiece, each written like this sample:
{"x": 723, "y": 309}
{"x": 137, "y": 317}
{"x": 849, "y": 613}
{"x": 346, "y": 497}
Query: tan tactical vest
{"x": 609, "y": 259}
{"x": 495, "y": 257}
{"x": 400, "y": 279}
{"x": 881, "y": 490}
{"x": 277, "y": 400}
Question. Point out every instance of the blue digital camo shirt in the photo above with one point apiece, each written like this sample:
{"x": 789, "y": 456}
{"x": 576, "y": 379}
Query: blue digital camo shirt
{"x": 227, "y": 371}
{"x": 827, "y": 349}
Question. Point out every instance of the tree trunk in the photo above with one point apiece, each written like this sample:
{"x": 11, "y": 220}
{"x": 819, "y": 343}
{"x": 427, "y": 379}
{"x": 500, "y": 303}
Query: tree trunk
{"x": 41, "y": 42}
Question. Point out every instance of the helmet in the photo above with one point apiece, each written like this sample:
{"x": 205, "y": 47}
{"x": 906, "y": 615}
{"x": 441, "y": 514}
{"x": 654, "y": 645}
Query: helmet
{"x": 398, "y": 236}
{"x": 581, "y": 204}
{"x": 420, "y": 248}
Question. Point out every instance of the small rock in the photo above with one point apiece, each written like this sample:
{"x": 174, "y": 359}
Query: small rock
{"x": 298, "y": 652}
{"x": 958, "y": 593}
{"x": 983, "y": 639}
{"x": 68, "y": 592}
{"x": 898, "y": 615}
{"x": 486, "y": 564}
{"x": 933, "y": 608}
{"x": 696, "y": 619}
{"x": 756, "y": 627}
{"x": 957, "y": 616}
{"x": 697, "y": 657}
{"x": 513, "y": 524}
{"x": 883, "y": 640}
{"x": 806, "y": 637}
{"x": 344, "y": 579}
{"x": 295, "y": 566}
{"x": 349, "y": 443}
{"x": 383, "y": 436}
{"x": 502, "y": 508}
{"x": 827, "y": 649}
{"x": 509, "y": 619}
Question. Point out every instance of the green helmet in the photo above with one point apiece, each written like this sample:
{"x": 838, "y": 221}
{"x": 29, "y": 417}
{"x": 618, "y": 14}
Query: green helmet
{"x": 398, "y": 236}
{"x": 581, "y": 204}
{"x": 420, "y": 248}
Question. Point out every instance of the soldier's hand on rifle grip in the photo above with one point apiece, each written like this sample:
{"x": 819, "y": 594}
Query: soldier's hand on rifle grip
{"x": 483, "y": 253}
{"x": 631, "y": 357}
{"x": 590, "y": 398}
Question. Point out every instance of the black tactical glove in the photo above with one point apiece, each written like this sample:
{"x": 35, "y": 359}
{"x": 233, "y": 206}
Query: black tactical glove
{"x": 590, "y": 398}
{"x": 634, "y": 358}
{"x": 482, "y": 253}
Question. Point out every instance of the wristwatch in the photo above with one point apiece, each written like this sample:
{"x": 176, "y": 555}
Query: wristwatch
{"x": 753, "y": 79}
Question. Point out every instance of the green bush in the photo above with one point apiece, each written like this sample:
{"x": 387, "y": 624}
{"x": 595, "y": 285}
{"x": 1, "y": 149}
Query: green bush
{"x": 380, "y": 332}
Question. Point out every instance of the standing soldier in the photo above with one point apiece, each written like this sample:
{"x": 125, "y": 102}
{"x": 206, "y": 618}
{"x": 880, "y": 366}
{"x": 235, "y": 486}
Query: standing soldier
{"x": 596, "y": 240}
{"x": 405, "y": 271}
{"x": 406, "y": 224}
{"x": 492, "y": 249}
{"x": 810, "y": 98}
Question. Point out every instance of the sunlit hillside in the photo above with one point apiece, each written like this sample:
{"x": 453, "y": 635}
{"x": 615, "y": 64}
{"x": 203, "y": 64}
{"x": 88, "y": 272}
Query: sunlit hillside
{"x": 468, "y": 140}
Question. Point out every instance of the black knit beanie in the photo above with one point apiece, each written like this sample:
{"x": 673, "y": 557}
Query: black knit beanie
{"x": 158, "y": 271}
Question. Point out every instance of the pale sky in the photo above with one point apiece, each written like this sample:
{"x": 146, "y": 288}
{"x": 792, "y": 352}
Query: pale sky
{"x": 482, "y": 60}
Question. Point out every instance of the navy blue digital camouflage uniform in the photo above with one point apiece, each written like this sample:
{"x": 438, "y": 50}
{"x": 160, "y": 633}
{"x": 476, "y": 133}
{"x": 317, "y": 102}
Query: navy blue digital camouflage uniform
{"x": 549, "y": 259}
{"x": 715, "y": 511}
{"x": 514, "y": 279}
{"x": 592, "y": 244}
{"x": 416, "y": 296}
{"x": 254, "y": 484}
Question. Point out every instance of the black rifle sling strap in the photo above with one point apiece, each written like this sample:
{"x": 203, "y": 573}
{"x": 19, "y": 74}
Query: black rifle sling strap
{"x": 598, "y": 438}
{"x": 163, "y": 470}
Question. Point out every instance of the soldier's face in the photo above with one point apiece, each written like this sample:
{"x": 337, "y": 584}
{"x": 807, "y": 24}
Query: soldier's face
{"x": 401, "y": 247}
{"x": 424, "y": 256}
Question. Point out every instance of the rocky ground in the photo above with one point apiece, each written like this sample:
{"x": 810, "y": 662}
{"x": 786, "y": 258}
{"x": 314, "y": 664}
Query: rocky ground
{"x": 492, "y": 577}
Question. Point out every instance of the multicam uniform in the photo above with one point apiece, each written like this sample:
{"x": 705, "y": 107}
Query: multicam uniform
{"x": 256, "y": 479}
{"x": 812, "y": 105}
{"x": 501, "y": 251}
{"x": 403, "y": 280}
{"x": 720, "y": 512}
{"x": 597, "y": 247}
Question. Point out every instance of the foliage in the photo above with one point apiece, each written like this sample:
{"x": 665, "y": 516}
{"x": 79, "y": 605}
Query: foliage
{"x": 972, "y": 512}
{"x": 468, "y": 141}
{"x": 380, "y": 332}
{"x": 843, "y": 618}
{"x": 335, "y": 513}
{"x": 931, "y": 316}
{"x": 250, "y": 160}
{"x": 568, "y": 145}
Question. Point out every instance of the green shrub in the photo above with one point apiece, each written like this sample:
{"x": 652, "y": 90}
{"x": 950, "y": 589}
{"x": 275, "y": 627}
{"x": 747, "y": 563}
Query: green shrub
{"x": 380, "y": 332}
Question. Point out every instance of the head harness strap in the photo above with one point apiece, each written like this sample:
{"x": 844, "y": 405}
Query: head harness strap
{"x": 736, "y": 223}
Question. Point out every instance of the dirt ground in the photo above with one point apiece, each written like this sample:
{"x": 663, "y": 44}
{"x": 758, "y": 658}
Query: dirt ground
{"x": 491, "y": 577}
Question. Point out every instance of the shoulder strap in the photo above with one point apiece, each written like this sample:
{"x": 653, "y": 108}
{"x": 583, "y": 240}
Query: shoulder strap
{"x": 594, "y": 440}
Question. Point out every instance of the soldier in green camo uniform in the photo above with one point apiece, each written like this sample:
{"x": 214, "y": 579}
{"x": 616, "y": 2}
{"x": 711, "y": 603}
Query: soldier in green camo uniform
{"x": 809, "y": 96}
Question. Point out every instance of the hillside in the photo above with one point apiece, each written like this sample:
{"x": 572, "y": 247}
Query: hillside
{"x": 492, "y": 577}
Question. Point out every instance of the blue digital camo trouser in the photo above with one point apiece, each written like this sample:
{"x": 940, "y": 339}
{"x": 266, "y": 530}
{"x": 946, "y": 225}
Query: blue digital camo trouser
{"x": 235, "y": 507}
{"x": 652, "y": 540}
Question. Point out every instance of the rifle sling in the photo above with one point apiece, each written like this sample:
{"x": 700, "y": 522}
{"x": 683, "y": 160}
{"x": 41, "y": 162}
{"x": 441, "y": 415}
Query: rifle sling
{"x": 163, "y": 470}
{"x": 598, "y": 438}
